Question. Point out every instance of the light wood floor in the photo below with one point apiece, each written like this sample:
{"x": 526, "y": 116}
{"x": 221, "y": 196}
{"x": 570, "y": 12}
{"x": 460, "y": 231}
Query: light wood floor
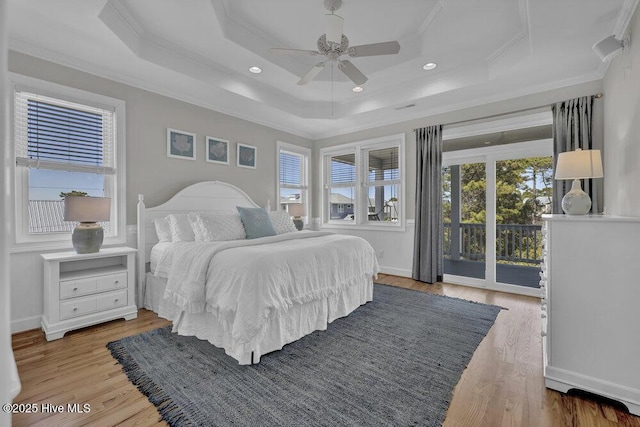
{"x": 502, "y": 386}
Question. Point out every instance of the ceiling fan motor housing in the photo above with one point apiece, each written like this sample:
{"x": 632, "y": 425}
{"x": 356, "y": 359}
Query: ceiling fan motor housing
{"x": 325, "y": 47}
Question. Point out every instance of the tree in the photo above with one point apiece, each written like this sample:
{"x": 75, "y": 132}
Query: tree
{"x": 73, "y": 193}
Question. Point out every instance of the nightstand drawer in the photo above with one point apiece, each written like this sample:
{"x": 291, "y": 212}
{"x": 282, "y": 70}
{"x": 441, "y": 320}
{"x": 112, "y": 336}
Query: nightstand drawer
{"x": 75, "y": 288}
{"x": 111, "y": 282}
{"x": 77, "y": 307}
{"x": 111, "y": 300}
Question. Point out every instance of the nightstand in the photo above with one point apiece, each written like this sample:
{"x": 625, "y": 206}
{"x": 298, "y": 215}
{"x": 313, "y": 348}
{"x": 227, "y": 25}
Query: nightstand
{"x": 85, "y": 289}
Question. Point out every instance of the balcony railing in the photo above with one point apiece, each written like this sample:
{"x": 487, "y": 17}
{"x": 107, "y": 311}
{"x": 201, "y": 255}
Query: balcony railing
{"x": 515, "y": 243}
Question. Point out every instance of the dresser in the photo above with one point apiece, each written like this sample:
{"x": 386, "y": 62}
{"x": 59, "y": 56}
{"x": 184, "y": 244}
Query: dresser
{"x": 590, "y": 285}
{"x": 85, "y": 289}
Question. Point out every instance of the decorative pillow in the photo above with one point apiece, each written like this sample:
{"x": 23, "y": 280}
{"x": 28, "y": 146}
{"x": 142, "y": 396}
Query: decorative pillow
{"x": 220, "y": 225}
{"x": 282, "y": 222}
{"x": 162, "y": 229}
{"x": 181, "y": 230}
{"x": 257, "y": 222}
{"x": 195, "y": 226}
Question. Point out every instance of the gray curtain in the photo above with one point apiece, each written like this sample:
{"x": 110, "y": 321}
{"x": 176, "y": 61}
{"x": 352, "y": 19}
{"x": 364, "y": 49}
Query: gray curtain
{"x": 573, "y": 128}
{"x": 427, "y": 241}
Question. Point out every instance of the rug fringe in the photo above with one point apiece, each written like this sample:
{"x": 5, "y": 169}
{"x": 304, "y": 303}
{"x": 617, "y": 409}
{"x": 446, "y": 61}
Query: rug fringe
{"x": 169, "y": 411}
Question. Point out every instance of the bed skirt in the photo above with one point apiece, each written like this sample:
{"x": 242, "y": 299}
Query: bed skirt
{"x": 281, "y": 329}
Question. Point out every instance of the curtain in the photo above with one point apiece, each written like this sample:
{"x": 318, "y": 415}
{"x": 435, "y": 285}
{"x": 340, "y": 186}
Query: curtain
{"x": 573, "y": 128}
{"x": 427, "y": 241}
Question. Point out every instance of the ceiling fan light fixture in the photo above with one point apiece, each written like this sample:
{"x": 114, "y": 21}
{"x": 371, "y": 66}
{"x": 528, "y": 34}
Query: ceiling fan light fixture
{"x": 429, "y": 66}
{"x": 357, "y": 89}
{"x": 255, "y": 69}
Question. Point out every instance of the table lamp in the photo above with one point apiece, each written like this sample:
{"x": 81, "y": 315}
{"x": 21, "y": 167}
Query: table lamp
{"x": 88, "y": 235}
{"x": 577, "y": 165}
{"x": 296, "y": 210}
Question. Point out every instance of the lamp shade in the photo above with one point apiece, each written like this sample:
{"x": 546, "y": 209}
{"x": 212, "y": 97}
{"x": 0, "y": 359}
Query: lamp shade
{"x": 579, "y": 164}
{"x": 87, "y": 209}
{"x": 296, "y": 209}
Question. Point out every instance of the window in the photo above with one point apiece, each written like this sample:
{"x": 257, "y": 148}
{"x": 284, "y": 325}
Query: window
{"x": 65, "y": 140}
{"x": 293, "y": 179}
{"x": 363, "y": 184}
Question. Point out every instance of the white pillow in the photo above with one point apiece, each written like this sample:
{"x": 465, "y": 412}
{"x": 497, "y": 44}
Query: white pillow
{"x": 221, "y": 225}
{"x": 181, "y": 230}
{"x": 162, "y": 229}
{"x": 195, "y": 226}
{"x": 282, "y": 222}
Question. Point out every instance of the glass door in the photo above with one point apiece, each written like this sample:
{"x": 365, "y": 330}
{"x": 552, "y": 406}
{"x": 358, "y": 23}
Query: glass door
{"x": 464, "y": 217}
{"x": 523, "y": 194}
{"x": 493, "y": 199}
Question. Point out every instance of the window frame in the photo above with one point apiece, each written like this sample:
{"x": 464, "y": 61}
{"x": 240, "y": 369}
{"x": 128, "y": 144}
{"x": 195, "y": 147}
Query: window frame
{"x": 22, "y": 240}
{"x": 305, "y": 175}
{"x": 361, "y": 149}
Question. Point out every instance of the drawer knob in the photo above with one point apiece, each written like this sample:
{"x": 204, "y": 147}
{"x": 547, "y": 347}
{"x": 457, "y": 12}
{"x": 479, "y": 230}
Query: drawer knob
{"x": 75, "y": 289}
{"x": 116, "y": 300}
{"x": 75, "y": 308}
{"x": 117, "y": 281}
{"x": 543, "y": 334}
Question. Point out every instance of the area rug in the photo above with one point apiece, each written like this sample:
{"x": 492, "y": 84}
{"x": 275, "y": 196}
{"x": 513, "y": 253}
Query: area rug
{"x": 393, "y": 362}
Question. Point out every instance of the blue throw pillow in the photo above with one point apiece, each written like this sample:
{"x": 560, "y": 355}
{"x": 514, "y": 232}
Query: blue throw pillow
{"x": 257, "y": 222}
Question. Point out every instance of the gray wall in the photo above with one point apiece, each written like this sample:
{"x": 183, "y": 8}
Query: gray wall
{"x": 496, "y": 108}
{"x": 148, "y": 115}
{"x": 622, "y": 128}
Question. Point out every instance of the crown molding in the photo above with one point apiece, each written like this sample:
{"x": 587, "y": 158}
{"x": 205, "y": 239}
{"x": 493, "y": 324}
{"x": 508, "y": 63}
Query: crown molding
{"x": 624, "y": 18}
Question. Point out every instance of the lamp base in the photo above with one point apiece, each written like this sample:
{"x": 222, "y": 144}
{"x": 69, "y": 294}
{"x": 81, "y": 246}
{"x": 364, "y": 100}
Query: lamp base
{"x": 299, "y": 224}
{"x": 576, "y": 201}
{"x": 87, "y": 238}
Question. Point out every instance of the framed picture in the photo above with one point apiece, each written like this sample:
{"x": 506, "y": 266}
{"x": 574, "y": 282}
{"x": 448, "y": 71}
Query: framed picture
{"x": 181, "y": 144}
{"x": 247, "y": 156}
{"x": 217, "y": 150}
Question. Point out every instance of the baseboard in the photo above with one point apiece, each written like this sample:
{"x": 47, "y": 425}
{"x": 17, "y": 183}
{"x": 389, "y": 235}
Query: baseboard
{"x": 395, "y": 271}
{"x": 25, "y": 324}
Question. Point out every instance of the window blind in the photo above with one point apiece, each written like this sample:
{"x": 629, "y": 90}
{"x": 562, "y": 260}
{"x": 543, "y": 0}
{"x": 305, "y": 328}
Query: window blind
{"x": 61, "y": 135}
{"x": 290, "y": 169}
{"x": 343, "y": 170}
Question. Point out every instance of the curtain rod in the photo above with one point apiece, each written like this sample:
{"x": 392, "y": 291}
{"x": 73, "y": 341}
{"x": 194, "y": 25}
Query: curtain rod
{"x": 524, "y": 110}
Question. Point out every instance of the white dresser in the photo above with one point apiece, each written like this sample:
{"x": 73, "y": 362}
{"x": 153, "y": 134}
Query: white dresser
{"x": 84, "y": 289}
{"x": 591, "y": 306}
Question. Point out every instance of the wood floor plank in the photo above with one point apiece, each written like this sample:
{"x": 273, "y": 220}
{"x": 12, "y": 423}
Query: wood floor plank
{"x": 502, "y": 386}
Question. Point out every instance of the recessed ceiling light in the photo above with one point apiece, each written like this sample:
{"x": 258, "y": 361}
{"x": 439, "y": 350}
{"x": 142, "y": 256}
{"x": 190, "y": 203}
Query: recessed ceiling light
{"x": 429, "y": 66}
{"x": 255, "y": 70}
{"x": 358, "y": 89}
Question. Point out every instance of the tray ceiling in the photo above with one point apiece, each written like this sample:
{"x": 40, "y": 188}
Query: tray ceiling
{"x": 200, "y": 51}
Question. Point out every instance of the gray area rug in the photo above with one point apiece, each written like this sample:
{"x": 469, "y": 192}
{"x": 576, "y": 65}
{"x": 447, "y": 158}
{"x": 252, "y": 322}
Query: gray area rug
{"x": 394, "y": 361}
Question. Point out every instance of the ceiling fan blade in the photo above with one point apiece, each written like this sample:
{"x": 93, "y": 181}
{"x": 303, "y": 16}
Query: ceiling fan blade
{"x": 312, "y": 73}
{"x": 294, "y": 52}
{"x": 373, "y": 49}
{"x": 352, "y": 72}
{"x": 335, "y": 25}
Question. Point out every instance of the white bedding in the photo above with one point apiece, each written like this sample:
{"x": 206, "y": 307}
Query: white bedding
{"x": 245, "y": 285}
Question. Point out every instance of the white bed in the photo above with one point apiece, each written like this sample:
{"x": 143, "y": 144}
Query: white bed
{"x": 249, "y": 297}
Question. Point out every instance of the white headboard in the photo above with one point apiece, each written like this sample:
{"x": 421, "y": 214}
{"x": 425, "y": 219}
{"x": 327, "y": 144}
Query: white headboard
{"x": 203, "y": 196}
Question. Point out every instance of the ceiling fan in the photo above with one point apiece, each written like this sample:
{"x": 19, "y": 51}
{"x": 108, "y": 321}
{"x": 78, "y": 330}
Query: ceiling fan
{"x": 333, "y": 44}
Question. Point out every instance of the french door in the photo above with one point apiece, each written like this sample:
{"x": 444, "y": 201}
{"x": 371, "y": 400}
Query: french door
{"x": 493, "y": 198}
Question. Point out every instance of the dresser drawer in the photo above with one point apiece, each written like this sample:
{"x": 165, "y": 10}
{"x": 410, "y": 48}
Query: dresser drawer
{"x": 111, "y": 300}
{"x": 111, "y": 282}
{"x": 75, "y": 288}
{"x": 77, "y": 307}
